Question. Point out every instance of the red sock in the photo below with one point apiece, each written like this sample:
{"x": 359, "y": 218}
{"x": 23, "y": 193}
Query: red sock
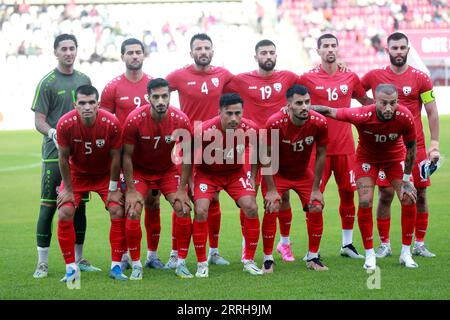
{"x": 421, "y": 225}
{"x": 251, "y": 234}
{"x": 183, "y": 230}
{"x": 285, "y": 219}
{"x": 117, "y": 239}
{"x": 409, "y": 213}
{"x": 384, "y": 226}
{"x": 153, "y": 228}
{"x": 347, "y": 210}
{"x": 269, "y": 229}
{"x": 314, "y": 223}
{"x": 66, "y": 239}
{"x": 242, "y": 218}
{"x": 199, "y": 236}
{"x": 214, "y": 224}
{"x": 174, "y": 234}
{"x": 365, "y": 223}
{"x": 134, "y": 235}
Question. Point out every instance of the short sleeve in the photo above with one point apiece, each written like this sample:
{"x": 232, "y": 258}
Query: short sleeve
{"x": 42, "y": 98}
{"x": 358, "y": 90}
{"x": 107, "y": 98}
{"x": 62, "y": 133}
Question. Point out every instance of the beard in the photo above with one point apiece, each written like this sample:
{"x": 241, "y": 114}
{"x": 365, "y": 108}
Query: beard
{"x": 201, "y": 61}
{"x": 134, "y": 67}
{"x": 268, "y": 65}
{"x": 397, "y": 63}
{"x": 331, "y": 59}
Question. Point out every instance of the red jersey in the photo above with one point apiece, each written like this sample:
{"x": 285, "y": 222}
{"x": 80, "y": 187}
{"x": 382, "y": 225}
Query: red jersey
{"x": 121, "y": 96}
{"x": 410, "y": 85}
{"x": 263, "y": 96}
{"x": 380, "y": 141}
{"x": 335, "y": 91}
{"x": 153, "y": 141}
{"x": 217, "y": 153}
{"x": 199, "y": 91}
{"x": 89, "y": 146}
{"x": 296, "y": 143}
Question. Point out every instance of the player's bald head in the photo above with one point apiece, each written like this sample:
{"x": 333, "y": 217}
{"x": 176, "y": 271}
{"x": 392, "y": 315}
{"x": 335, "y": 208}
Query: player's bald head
{"x": 386, "y": 88}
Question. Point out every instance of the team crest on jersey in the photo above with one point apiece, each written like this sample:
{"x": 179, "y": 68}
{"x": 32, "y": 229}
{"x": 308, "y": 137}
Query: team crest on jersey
{"x": 406, "y": 90}
{"x": 381, "y": 175}
{"x": 393, "y": 136}
{"x": 309, "y": 140}
{"x": 344, "y": 88}
{"x": 240, "y": 148}
{"x": 277, "y": 86}
{"x": 215, "y": 82}
{"x": 203, "y": 187}
{"x": 169, "y": 139}
{"x": 365, "y": 167}
{"x": 100, "y": 143}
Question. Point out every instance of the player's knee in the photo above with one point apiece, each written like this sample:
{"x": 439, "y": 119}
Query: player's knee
{"x": 116, "y": 212}
{"x": 66, "y": 213}
{"x": 285, "y": 197}
{"x": 365, "y": 203}
{"x": 152, "y": 203}
{"x": 201, "y": 213}
{"x": 250, "y": 209}
{"x": 407, "y": 201}
{"x": 133, "y": 215}
{"x": 421, "y": 200}
{"x": 386, "y": 195}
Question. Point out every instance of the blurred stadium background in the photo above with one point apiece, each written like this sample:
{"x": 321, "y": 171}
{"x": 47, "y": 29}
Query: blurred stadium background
{"x": 28, "y": 28}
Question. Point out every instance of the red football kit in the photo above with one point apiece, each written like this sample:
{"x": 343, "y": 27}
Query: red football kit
{"x": 295, "y": 147}
{"x": 410, "y": 86}
{"x": 121, "y": 96}
{"x": 199, "y": 91}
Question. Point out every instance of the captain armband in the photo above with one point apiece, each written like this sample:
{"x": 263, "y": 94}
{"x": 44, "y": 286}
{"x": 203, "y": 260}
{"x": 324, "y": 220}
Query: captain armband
{"x": 427, "y": 96}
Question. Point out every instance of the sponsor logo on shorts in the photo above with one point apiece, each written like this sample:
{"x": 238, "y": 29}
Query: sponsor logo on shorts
{"x": 365, "y": 167}
{"x": 382, "y": 175}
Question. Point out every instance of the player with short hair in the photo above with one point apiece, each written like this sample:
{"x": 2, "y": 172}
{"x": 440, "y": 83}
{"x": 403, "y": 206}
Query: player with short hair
{"x": 299, "y": 130}
{"x": 89, "y": 142}
{"x": 54, "y": 97}
{"x": 384, "y": 130}
{"x": 330, "y": 86}
{"x": 223, "y": 142}
{"x": 150, "y": 133}
{"x": 263, "y": 92}
{"x": 199, "y": 87}
{"x": 414, "y": 90}
{"x": 120, "y": 96}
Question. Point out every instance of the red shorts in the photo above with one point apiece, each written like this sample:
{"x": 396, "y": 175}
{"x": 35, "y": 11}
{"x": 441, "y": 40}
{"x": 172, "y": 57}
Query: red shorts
{"x": 236, "y": 184}
{"x": 418, "y": 181}
{"x": 81, "y": 185}
{"x": 167, "y": 182}
{"x": 302, "y": 186}
{"x": 392, "y": 170}
{"x": 342, "y": 167}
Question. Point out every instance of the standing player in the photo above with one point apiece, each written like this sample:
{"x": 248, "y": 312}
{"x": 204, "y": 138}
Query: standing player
{"x": 148, "y": 135}
{"x": 199, "y": 87}
{"x": 384, "y": 129}
{"x": 332, "y": 87}
{"x": 298, "y": 131}
{"x": 414, "y": 89}
{"x": 122, "y": 95}
{"x": 89, "y": 159}
{"x": 263, "y": 92}
{"x": 54, "y": 97}
{"x": 221, "y": 168}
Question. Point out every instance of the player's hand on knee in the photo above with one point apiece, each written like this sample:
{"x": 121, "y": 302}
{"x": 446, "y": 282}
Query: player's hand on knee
{"x": 272, "y": 201}
{"x": 115, "y": 196}
{"x": 182, "y": 199}
{"x": 65, "y": 197}
{"x": 409, "y": 191}
{"x": 316, "y": 202}
{"x": 133, "y": 200}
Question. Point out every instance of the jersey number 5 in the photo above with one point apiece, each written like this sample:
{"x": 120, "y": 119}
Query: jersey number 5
{"x": 88, "y": 147}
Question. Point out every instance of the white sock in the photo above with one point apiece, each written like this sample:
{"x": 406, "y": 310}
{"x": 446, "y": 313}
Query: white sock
{"x": 418, "y": 243}
{"x": 43, "y": 254}
{"x": 78, "y": 252}
{"x": 71, "y": 266}
{"x": 406, "y": 250}
{"x": 370, "y": 252}
{"x": 245, "y": 261}
{"x": 213, "y": 250}
{"x": 268, "y": 257}
{"x": 312, "y": 255}
{"x": 151, "y": 255}
{"x": 136, "y": 263}
{"x": 126, "y": 257}
{"x": 115, "y": 263}
{"x": 181, "y": 261}
{"x": 174, "y": 253}
{"x": 285, "y": 240}
{"x": 347, "y": 237}
{"x": 388, "y": 243}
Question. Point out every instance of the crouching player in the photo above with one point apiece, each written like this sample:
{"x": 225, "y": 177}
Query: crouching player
{"x": 89, "y": 159}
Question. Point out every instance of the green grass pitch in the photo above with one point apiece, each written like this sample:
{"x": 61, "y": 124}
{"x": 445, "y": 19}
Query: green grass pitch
{"x": 19, "y": 204}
